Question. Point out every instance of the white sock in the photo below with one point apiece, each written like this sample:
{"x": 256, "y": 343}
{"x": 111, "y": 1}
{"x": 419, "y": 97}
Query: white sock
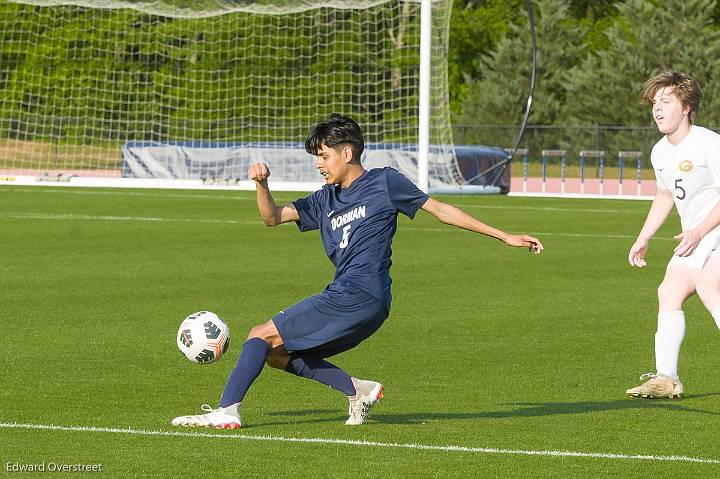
{"x": 716, "y": 315}
{"x": 668, "y": 339}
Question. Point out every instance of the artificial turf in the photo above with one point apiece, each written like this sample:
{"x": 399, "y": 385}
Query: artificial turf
{"x": 487, "y": 347}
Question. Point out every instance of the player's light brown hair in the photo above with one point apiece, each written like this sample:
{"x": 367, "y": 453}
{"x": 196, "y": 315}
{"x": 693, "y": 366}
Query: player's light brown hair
{"x": 686, "y": 89}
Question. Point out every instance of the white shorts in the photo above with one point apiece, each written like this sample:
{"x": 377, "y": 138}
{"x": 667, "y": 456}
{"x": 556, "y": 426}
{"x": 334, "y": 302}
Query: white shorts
{"x": 708, "y": 247}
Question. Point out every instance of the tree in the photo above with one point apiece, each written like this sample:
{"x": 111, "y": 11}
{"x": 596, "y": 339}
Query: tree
{"x": 646, "y": 38}
{"x": 475, "y": 27}
{"x": 499, "y": 97}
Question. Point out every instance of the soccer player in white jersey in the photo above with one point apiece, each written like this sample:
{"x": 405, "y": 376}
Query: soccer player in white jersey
{"x": 687, "y": 167}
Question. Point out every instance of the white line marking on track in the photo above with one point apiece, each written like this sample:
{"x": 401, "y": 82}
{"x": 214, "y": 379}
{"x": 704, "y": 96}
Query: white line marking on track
{"x": 351, "y": 442}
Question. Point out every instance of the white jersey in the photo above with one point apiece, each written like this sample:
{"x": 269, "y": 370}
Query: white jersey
{"x": 690, "y": 170}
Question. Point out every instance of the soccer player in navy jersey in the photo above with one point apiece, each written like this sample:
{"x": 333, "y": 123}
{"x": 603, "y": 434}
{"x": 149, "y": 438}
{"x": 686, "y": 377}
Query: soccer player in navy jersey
{"x": 356, "y": 213}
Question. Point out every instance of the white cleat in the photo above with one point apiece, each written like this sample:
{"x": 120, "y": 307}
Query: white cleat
{"x": 658, "y": 386}
{"x": 220, "y": 418}
{"x": 367, "y": 394}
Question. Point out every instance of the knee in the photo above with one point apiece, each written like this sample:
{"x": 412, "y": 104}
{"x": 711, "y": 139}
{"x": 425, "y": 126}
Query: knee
{"x": 268, "y": 333}
{"x": 665, "y": 292}
{"x": 256, "y": 332}
{"x": 707, "y": 290}
{"x": 671, "y": 296}
{"x": 265, "y": 332}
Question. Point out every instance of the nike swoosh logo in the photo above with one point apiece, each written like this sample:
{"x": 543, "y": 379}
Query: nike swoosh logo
{"x": 331, "y": 213}
{"x": 661, "y": 169}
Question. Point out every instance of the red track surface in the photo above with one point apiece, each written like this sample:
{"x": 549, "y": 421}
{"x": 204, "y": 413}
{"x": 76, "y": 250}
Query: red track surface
{"x": 592, "y": 186}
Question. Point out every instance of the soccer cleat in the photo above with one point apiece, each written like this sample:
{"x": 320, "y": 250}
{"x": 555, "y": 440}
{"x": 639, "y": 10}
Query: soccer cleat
{"x": 656, "y": 387}
{"x": 220, "y": 418}
{"x": 367, "y": 394}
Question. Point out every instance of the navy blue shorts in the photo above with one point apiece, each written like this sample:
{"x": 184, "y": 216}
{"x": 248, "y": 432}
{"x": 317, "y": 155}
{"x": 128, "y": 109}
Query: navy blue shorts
{"x": 338, "y": 319}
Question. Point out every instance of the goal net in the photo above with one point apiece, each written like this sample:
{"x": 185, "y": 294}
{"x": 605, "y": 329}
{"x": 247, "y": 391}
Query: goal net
{"x": 185, "y": 89}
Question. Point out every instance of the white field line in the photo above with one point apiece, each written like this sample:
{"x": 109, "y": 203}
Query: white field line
{"x": 351, "y": 442}
{"x": 554, "y": 208}
{"x": 154, "y": 219}
{"x": 73, "y": 191}
{"x": 548, "y": 233}
{"x": 126, "y": 193}
{"x": 70, "y": 216}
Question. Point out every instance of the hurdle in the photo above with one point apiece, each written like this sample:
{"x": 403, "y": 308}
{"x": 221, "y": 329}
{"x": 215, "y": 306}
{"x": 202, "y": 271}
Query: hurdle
{"x": 525, "y": 153}
{"x": 600, "y": 155}
{"x": 585, "y": 184}
{"x": 562, "y": 154}
{"x": 638, "y": 157}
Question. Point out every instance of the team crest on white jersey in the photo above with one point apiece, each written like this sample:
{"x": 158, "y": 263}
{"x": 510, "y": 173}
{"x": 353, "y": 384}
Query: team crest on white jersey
{"x": 685, "y": 166}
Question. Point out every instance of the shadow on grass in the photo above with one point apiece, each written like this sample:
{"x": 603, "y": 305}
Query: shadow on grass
{"x": 521, "y": 410}
{"x": 560, "y": 408}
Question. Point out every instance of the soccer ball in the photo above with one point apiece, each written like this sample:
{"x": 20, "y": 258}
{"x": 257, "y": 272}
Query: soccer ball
{"x": 203, "y": 337}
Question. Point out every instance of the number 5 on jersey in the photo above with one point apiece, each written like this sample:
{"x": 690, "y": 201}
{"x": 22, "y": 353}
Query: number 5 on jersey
{"x": 346, "y": 236}
{"x": 679, "y": 190}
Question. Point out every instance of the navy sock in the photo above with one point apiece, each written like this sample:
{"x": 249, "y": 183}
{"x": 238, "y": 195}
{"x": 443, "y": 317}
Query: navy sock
{"x": 250, "y": 363}
{"x": 321, "y": 371}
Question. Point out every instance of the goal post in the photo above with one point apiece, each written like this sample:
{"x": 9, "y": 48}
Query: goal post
{"x": 83, "y": 81}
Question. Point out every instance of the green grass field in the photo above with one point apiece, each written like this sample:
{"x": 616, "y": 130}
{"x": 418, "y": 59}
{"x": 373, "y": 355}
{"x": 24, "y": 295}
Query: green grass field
{"x": 487, "y": 348}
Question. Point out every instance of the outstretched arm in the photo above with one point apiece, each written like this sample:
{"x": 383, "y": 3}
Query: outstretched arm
{"x": 453, "y": 216}
{"x": 661, "y": 207}
{"x": 272, "y": 215}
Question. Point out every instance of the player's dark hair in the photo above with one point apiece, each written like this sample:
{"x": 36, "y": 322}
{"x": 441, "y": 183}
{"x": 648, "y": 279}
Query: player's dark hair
{"x": 336, "y": 132}
{"x": 685, "y": 89}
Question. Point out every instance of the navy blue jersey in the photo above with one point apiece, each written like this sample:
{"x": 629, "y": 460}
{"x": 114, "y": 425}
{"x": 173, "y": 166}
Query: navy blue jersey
{"x": 357, "y": 225}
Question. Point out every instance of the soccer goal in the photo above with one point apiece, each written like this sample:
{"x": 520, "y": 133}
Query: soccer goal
{"x": 183, "y": 91}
